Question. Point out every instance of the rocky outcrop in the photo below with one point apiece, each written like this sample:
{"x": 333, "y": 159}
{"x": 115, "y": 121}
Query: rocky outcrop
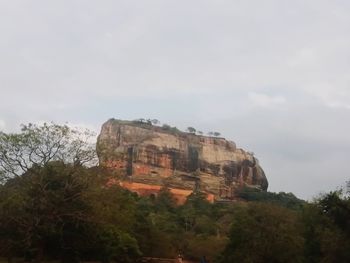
{"x": 147, "y": 158}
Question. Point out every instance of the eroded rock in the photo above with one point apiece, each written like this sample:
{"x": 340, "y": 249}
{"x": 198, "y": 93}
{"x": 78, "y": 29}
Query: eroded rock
{"x": 147, "y": 158}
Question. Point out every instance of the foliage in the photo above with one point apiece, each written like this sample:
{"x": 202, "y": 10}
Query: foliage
{"x": 147, "y": 121}
{"x": 52, "y": 207}
{"x": 327, "y": 229}
{"x": 37, "y": 145}
{"x": 337, "y": 208}
{"x": 216, "y": 134}
{"x": 168, "y": 128}
{"x": 288, "y": 200}
{"x": 191, "y": 130}
{"x": 199, "y": 246}
{"x": 63, "y": 211}
{"x": 54, "y": 210}
{"x": 264, "y": 233}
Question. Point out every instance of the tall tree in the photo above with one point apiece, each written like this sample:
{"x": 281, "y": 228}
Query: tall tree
{"x": 37, "y": 145}
{"x": 327, "y": 228}
{"x": 60, "y": 211}
{"x": 264, "y": 233}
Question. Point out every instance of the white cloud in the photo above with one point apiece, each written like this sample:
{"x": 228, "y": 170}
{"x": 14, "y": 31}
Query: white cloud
{"x": 2, "y": 125}
{"x": 340, "y": 105}
{"x": 266, "y": 101}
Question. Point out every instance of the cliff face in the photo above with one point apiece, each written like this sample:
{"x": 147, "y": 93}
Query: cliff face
{"x": 148, "y": 158}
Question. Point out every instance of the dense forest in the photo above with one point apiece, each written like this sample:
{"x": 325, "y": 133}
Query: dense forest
{"x": 56, "y": 205}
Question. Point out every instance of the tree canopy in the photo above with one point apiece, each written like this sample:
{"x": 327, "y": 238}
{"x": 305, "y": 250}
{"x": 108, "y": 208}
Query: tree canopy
{"x": 54, "y": 206}
{"x": 37, "y": 145}
{"x": 191, "y": 130}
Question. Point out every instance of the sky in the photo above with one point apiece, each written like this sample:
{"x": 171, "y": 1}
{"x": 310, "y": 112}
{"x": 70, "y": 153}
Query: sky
{"x": 273, "y": 75}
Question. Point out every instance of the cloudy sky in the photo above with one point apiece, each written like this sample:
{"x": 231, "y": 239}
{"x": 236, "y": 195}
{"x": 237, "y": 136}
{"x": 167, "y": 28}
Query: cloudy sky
{"x": 273, "y": 75}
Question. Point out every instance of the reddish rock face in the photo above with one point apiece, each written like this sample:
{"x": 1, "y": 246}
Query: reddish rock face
{"x": 151, "y": 157}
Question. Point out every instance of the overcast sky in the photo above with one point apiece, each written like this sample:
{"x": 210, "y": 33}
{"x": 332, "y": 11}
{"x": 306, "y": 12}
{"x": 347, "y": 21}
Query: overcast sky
{"x": 272, "y": 75}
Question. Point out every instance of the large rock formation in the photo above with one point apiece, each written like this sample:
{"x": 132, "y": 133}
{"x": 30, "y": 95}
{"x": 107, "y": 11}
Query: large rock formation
{"x": 147, "y": 158}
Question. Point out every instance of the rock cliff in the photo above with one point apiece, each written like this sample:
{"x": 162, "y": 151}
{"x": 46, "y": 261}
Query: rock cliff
{"x": 147, "y": 158}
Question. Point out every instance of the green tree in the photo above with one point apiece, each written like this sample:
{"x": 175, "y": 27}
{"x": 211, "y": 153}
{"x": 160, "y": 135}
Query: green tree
{"x": 41, "y": 144}
{"x": 287, "y": 200}
{"x": 60, "y": 211}
{"x": 41, "y": 203}
{"x": 337, "y": 208}
{"x": 53, "y": 207}
{"x": 191, "y": 130}
{"x": 327, "y": 228}
{"x": 264, "y": 233}
{"x": 157, "y": 227}
{"x": 164, "y": 201}
{"x": 166, "y": 126}
{"x": 195, "y": 215}
{"x": 198, "y": 246}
